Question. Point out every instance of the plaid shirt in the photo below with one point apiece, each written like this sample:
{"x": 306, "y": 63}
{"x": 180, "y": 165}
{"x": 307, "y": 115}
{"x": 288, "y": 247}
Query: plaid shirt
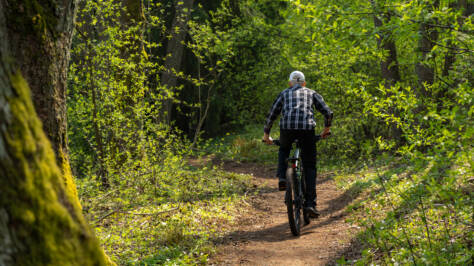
{"x": 296, "y": 105}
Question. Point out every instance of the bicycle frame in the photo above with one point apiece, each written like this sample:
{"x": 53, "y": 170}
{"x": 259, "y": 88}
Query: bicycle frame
{"x": 295, "y": 163}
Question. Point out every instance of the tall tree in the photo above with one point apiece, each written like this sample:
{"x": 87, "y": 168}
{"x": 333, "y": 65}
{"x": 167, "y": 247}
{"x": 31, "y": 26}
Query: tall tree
{"x": 389, "y": 64}
{"x": 133, "y": 15}
{"x": 428, "y": 36}
{"x": 41, "y": 222}
{"x": 42, "y": 32}
{"x": 174, "y": 52}
{"x": 386, "y": 42}
{"x": 450, "y": 57}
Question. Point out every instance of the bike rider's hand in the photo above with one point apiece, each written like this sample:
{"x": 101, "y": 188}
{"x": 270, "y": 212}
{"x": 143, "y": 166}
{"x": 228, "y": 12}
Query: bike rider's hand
{"x": 267, "y": 139}
{"x": 326, "y": 132}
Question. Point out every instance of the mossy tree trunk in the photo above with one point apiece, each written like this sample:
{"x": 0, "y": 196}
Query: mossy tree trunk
{"x": 41, "y": 222}
{"x": 40, "y": 32}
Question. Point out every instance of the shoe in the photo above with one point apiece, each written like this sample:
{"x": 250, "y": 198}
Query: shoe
{"x": 282, "y": 184}
{"x": 312, "y": 212}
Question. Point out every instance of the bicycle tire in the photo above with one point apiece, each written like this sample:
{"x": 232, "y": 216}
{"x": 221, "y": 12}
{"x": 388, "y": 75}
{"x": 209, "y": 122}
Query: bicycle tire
{"x": 294, "y": 214}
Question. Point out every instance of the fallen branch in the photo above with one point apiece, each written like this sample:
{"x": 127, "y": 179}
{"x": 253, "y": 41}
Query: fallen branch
{"x": 134, "y": 213}
{"x": 151, "y": 213}
{"x": 106, "y": 194}
{"x": 105, "y": 216}
{"x": 243, "y": 198}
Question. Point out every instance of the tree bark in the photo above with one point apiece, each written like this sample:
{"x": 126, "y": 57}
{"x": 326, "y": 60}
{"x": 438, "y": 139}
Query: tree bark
{"x": 425, "y": 72}
{"x": 132, "y": 15}
{"x": 101, "y": 172}
{"x": 39, "y": 36}
{"x": 450, "y": 57}
{"x": 41, "y": 222}
{"x": 41, "y": 32}
{"x": 174, "y": 53}
{"x": 388, "y": 65}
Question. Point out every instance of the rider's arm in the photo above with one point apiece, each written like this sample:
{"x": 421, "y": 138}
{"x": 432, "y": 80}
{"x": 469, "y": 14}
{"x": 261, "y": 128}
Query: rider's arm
{"x": 323, "y": 108}
{"x": 272, "y": 115}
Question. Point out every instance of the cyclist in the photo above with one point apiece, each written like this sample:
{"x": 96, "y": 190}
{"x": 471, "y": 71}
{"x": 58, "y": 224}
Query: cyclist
{"x": 297, "y": 122}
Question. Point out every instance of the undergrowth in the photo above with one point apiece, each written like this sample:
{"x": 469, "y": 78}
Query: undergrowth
{"x": 243, "y": 146}
{"x": 167, "y": 216}
{"x": 247, "y": 146}
{"x": 412, "y": 213}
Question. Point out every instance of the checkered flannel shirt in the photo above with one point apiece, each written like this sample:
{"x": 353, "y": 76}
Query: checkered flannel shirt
{"x": 296, "y": 107}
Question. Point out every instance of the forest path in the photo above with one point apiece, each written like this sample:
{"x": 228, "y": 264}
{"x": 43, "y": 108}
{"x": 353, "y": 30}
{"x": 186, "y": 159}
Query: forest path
{"x": 262, "y": 235}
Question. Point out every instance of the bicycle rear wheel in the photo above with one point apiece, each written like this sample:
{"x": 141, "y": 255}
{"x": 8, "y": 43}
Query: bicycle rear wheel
{"x": 292, "y": 205}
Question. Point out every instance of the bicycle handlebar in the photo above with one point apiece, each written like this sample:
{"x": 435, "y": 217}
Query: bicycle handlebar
{"x": 277, "y": 141}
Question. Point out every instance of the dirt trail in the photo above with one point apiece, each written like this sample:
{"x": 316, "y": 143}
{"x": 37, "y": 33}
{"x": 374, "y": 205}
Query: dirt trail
{"x": 263, "y": 237}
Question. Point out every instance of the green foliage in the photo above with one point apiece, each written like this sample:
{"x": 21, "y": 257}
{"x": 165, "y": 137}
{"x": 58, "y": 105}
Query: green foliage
{"x": 113, "y": 105}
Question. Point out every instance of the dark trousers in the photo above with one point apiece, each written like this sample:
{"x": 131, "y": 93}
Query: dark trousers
{"x": 307, "y": 141}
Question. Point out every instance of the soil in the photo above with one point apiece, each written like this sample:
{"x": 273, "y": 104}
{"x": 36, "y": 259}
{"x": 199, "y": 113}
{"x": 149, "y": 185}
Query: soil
{"x": 262, "y": 234}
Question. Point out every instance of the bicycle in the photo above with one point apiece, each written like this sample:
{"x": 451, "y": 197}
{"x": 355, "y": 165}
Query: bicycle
{"x": 295, "y": 187}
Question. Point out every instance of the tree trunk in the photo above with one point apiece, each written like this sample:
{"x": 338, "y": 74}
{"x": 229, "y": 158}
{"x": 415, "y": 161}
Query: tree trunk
{"x": 203, "y": 113}
{"x": 101, "y": 172}
{"x": 450, "y": 57}
{"x": 388, "y": 65}
{"x": 134, "y": 11}
{"x": 41, "y": 34}
{"x": 131, "y": 17}
{"x": 174, "y": 53}
{"x": 425, "y": 72}
{"x": 41, "y": 222}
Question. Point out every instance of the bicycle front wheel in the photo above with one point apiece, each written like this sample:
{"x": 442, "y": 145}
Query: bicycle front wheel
{"x": 294, "y": 211}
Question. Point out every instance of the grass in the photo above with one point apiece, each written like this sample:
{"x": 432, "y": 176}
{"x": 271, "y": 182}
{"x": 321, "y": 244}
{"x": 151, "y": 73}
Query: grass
{"x": 174, "y": 224}
{"x": 409, "y": 214}
{"x": 243, "y": 146}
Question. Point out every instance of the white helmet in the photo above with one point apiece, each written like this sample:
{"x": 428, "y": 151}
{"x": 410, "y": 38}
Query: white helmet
{"x": 297, "y": 77}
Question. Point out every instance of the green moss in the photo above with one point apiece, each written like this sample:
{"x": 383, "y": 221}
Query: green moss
{"x": 71, "y": 190}
{"x": 49, "y": 226}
